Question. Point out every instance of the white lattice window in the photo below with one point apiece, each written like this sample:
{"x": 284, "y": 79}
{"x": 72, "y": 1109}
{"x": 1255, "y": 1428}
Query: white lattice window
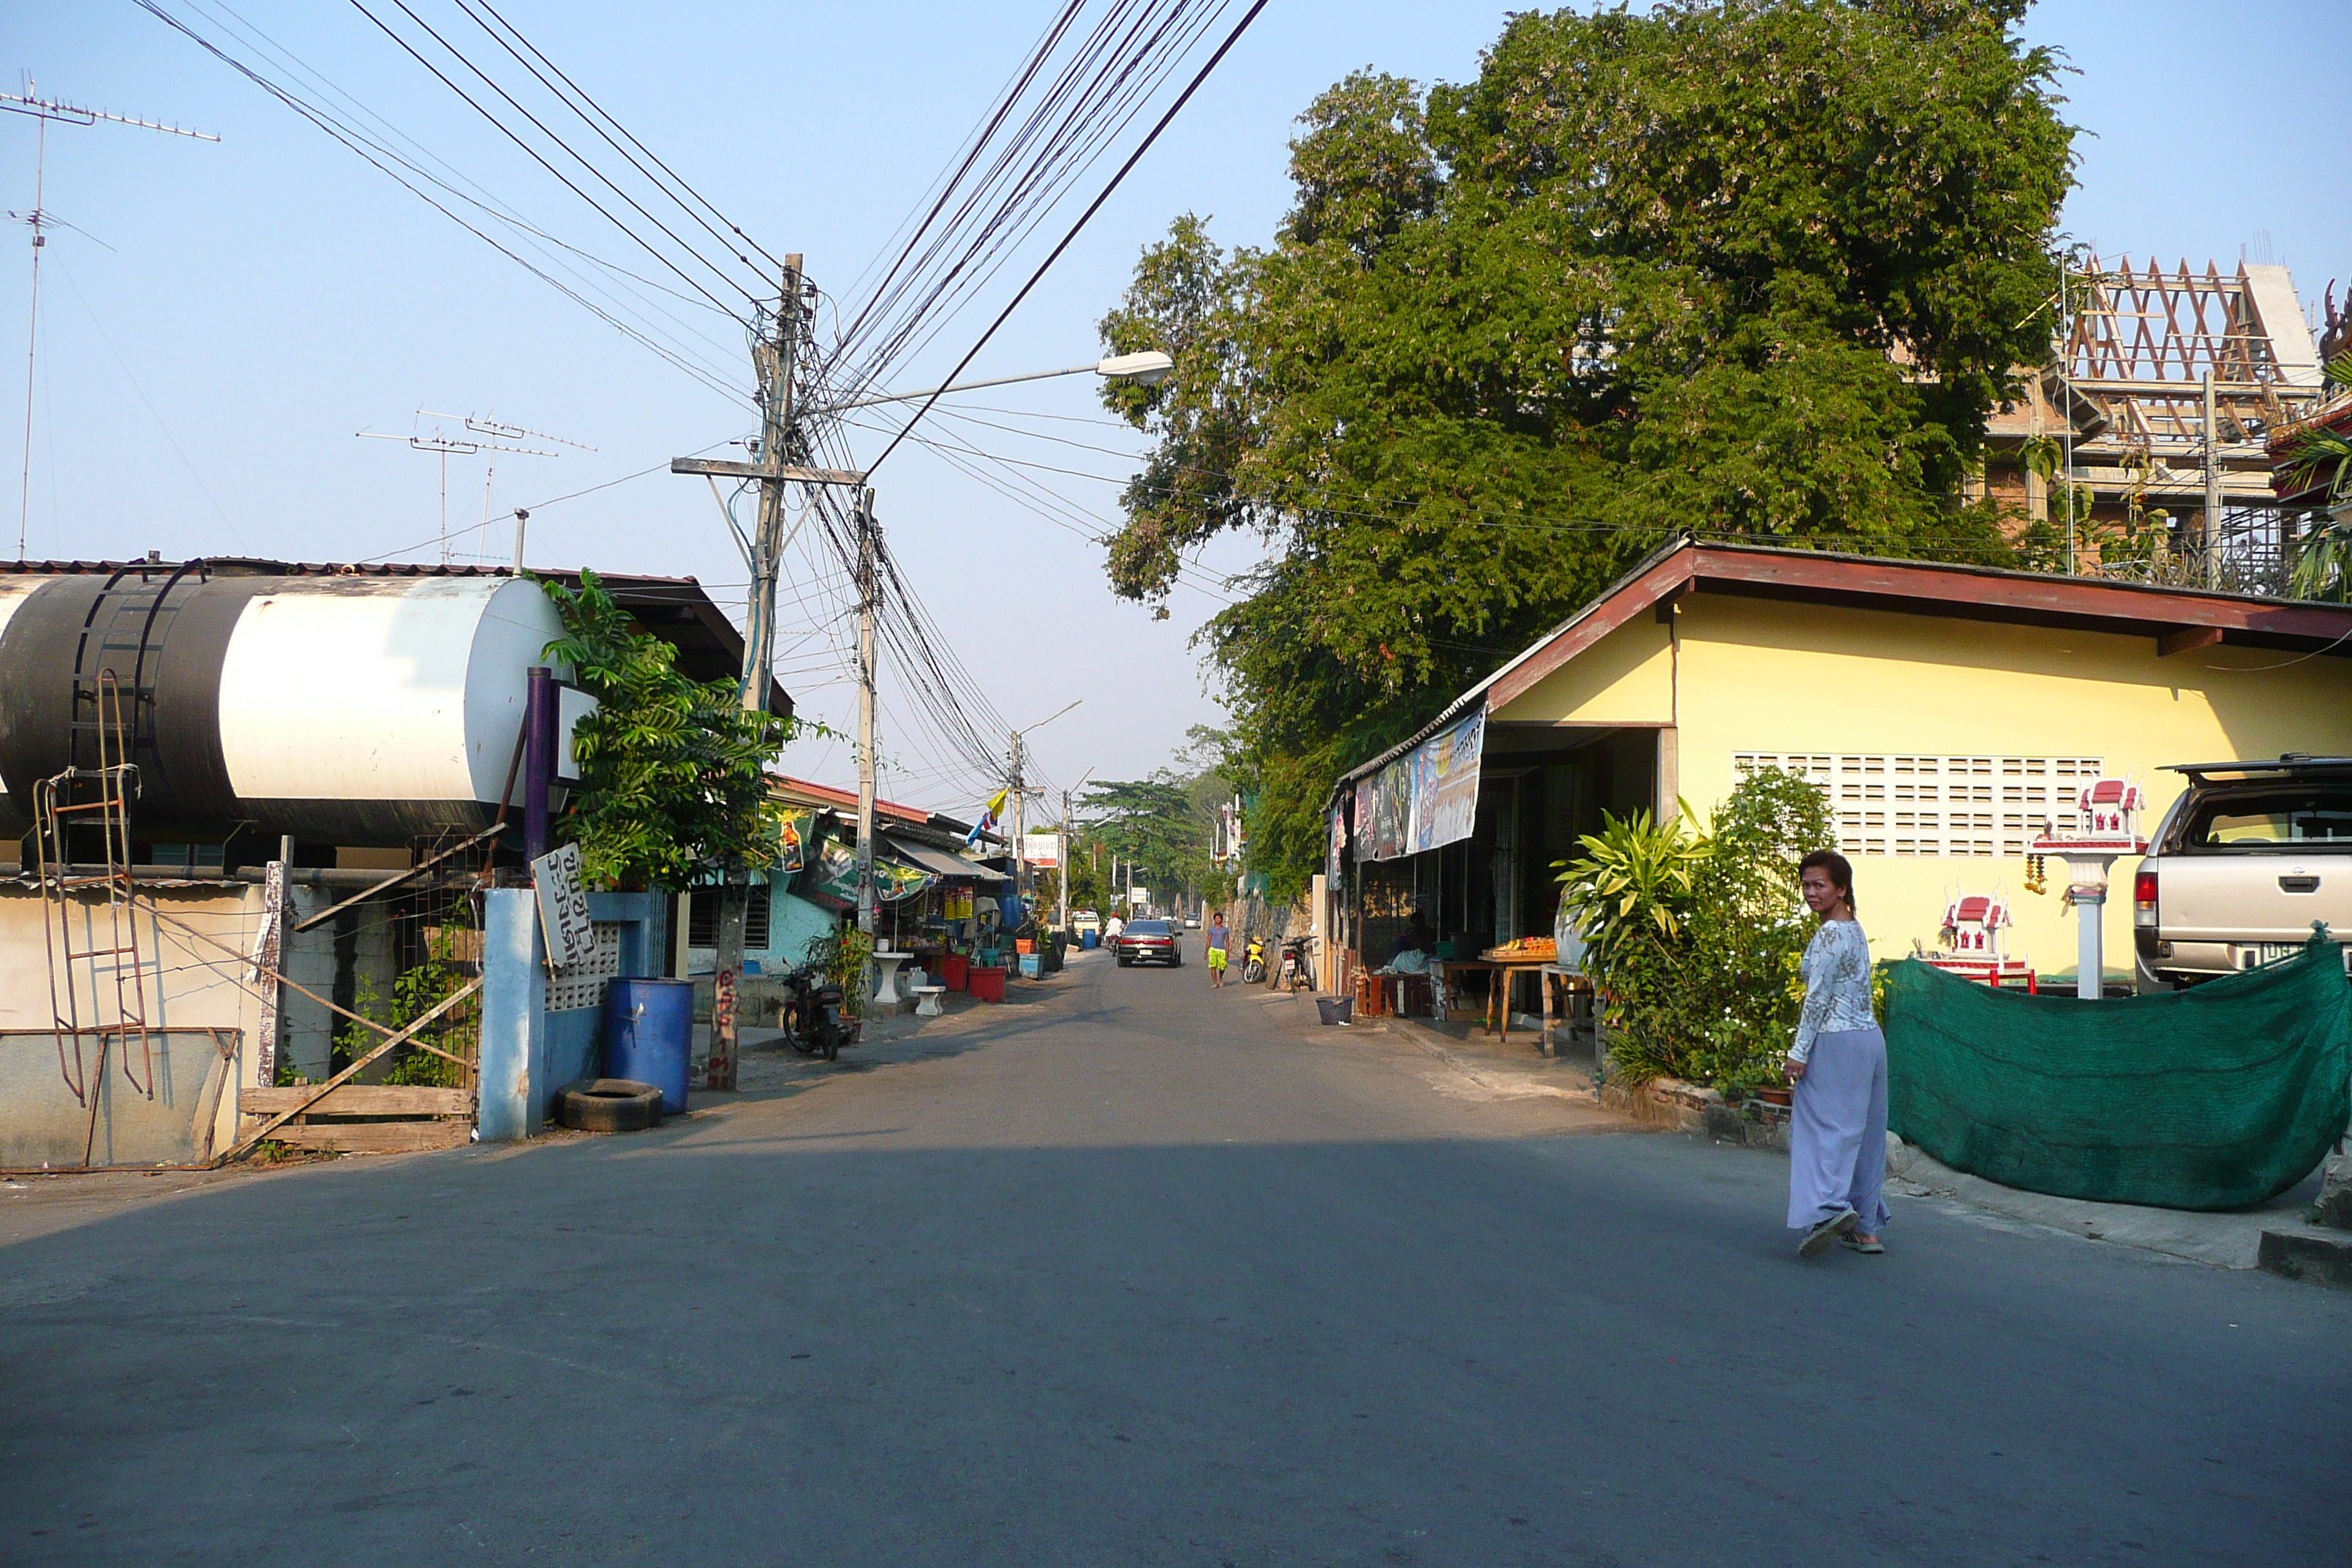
{"x": 1908, "y": 804}
{"x": 582, "y": 985}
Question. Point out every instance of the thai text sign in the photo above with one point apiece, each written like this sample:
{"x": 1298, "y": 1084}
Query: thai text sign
{"x": 563, "y": 907}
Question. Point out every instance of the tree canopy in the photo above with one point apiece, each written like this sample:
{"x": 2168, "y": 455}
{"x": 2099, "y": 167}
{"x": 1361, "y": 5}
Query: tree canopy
{"x": 673, "y": 770}
{"x": 1761, "y": 269}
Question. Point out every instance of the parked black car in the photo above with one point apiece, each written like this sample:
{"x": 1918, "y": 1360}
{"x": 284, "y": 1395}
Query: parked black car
{"x": 1148, "y": 941}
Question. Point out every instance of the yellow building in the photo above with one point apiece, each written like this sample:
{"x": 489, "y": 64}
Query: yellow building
{"x": 1948, "y": 711}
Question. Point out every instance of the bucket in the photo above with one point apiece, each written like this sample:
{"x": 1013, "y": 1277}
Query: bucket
{"x": 952, "y": 971}
{"x": 1334, "y": 1009}
{"x": 1090, "y": 941}
{"x": 1023, "y": 944}
{"x": 987, "y": 984}
{"x": 1033, "y": 964}
{"x": 649, "y": 1036}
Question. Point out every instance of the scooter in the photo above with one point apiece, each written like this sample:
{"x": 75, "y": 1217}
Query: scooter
{"x": 814, "y": 1016}
{"x": 1254, "y": 962}
{"x": 1294, "y": 973}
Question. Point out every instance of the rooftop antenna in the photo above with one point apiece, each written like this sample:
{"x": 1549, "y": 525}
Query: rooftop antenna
{"x": 477, "y": 434}
{"x": 44, "y": 110}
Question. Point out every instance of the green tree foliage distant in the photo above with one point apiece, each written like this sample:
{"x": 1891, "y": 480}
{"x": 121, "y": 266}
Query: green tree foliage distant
{"x": 673, "y": 770}
{"x": 1166, "y": 824}
{"x": 1761, "y": 270}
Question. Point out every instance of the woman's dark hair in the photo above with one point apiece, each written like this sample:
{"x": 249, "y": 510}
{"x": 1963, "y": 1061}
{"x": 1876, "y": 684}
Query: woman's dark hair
{"x": 1840, "y": 869}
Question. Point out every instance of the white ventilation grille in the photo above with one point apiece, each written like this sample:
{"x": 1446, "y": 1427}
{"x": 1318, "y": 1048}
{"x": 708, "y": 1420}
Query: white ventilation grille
{"x": 1907, "y": 804}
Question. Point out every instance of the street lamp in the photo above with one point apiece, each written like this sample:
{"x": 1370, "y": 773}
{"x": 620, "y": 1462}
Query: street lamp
{"x": 1148, "y": 369}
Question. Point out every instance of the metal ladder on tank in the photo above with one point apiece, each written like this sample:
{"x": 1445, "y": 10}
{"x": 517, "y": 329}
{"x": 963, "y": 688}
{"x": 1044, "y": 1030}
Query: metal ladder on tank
{"x": 69, "y": 808}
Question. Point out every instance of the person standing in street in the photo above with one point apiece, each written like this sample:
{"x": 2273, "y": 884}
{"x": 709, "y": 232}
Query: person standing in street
{"x": 1837, "y": 1128}
{"x": 1220, "y": 939}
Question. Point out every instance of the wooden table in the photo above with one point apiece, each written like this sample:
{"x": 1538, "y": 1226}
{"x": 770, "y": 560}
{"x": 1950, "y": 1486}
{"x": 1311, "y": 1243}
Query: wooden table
{"x": 1499, "y": 990}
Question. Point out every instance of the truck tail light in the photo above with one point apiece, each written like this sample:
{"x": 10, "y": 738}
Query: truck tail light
{"x": 2144, "y": 899}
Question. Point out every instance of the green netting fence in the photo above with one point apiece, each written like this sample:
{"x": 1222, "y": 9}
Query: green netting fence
{"x": 2214, "y": 1098}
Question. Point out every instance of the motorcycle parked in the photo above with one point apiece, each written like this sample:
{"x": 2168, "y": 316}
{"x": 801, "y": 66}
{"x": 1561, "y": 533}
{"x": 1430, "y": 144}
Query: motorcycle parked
{"x": 1254, "y": 962}
{"x": 815, "y": 1015}
{"x": 1295, "y": 972}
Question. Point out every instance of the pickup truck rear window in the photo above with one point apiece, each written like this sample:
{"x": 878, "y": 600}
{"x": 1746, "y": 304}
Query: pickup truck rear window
{"x": 2307, "y": 816}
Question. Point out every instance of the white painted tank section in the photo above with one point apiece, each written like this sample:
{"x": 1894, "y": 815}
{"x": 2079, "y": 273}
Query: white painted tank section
{"x": 13, "y": 592}
{"x": 365, "y": 689}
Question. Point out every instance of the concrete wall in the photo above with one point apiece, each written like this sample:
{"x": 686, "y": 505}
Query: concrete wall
{"x": 191, "y": 1110}
{"x": 1761, "y": 676}
{"x": 527, "y": 1052}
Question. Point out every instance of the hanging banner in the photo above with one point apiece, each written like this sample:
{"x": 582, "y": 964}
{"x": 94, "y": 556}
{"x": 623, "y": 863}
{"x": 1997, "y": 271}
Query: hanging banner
{"x": 793, "y": 831}
{"x": 1392, "y": 810}
{"x": 1338, "y": 849}
{"x": 835, "y": 882}
{"x": 1361, "y": 815}
{"x": 1445, "y": 783}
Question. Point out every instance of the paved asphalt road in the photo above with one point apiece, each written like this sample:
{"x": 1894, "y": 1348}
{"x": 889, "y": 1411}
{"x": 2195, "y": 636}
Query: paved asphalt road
{"x": 1132, "y": 1274}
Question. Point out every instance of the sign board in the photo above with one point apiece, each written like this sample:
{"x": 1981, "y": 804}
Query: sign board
{"x": 563, "y": 907}
{"x": 1136, "y": 898}
{"x": 1041, "y": 848}
{"x": 571, "y": 705}
{"x": 1445, "y": 783}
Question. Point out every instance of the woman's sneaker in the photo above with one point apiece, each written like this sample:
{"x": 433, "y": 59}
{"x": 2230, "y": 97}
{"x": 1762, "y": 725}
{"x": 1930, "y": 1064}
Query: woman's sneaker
{"x": 1817, "y": 1239}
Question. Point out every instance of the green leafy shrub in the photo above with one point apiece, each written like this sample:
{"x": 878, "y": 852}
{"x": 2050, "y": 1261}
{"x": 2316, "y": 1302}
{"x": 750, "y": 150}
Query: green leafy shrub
{"x": 673, "y": 770}
{"x": 841, "y": 955}
{"x": 1696, "y": 936}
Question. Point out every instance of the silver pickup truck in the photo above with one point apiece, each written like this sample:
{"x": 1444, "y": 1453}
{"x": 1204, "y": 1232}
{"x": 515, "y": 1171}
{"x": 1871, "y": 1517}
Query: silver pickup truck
{"x": 2250, "y": 854}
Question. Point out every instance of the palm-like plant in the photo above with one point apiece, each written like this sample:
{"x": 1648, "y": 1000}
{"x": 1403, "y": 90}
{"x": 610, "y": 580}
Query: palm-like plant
{"x": 1635, "y": 876}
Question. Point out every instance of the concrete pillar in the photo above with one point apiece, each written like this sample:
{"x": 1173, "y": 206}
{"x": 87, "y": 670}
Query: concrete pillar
{"x": 514, "y": 1014}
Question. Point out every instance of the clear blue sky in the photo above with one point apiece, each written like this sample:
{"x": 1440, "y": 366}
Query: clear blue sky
{"x": 255, "y": 303}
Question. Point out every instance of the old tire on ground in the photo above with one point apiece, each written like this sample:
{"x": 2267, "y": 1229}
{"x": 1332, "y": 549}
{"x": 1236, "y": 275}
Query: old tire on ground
{"x": 608, "y": 1105}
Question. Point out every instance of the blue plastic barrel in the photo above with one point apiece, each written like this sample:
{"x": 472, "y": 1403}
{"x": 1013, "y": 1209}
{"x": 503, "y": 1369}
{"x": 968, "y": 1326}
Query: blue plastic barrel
{"x": 1088, "y": 940}
{"x": 649, "y": 1036}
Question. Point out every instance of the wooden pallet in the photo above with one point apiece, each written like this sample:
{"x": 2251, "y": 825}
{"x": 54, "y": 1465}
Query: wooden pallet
{"x": 427, "y": 1118}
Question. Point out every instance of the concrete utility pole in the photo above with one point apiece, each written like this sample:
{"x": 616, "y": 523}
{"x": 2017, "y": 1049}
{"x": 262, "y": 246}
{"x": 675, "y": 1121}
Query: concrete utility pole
{"x": 773, "y": 359}
{"x": 867, "y": 910}
{"x": 1020, "y": 821}
{"x": 1061, "y": 847}
{"x": 772, "y": 362}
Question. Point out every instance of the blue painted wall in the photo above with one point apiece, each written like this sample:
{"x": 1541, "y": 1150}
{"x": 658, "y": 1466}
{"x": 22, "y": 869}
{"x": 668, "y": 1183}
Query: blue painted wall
{"x": 527, "y": 1052}
{"x": 791, "y": 922}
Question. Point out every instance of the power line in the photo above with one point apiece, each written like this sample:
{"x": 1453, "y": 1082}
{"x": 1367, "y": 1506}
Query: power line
{"x": 732, "y": 227}
{"x": 533, "y": 154}
{"x": 383, "y": 160}
{"x": 1083, "y": 218}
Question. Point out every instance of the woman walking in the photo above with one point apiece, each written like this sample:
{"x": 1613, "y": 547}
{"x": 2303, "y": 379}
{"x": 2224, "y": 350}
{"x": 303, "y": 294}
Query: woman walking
{"x": 1837, "y": 1131}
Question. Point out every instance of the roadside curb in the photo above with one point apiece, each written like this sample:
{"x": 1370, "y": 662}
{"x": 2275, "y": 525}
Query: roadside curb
{"x": 1485, "y": 1074}
{"x": 2320, "y": 1256}
{"x": 1686, "y": 1107}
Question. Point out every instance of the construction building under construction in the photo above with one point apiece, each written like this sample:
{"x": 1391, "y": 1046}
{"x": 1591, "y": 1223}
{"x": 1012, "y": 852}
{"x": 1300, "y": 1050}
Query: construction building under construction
{"x": 2143, "y": 449}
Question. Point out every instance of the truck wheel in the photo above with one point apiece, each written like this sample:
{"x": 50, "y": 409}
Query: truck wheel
{"x": 608, "y": 1105}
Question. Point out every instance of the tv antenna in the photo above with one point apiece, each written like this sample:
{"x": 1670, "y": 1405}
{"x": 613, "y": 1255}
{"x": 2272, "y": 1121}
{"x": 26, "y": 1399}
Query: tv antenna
{"x": 40, "y": 218}
{"x": 477, "y": 434}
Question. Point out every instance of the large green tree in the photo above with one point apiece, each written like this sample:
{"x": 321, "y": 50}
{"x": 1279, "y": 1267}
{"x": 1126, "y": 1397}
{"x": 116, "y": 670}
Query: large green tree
{"x": 673, "y": 770}
{"x": 1761, "y": 269}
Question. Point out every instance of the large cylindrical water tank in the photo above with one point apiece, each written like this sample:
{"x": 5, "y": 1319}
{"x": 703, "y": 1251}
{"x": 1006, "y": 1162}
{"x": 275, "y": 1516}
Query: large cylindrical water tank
{"x": 355, "y": 709}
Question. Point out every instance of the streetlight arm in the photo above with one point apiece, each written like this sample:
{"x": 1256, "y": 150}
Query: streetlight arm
{"x": 1150, "y": 368}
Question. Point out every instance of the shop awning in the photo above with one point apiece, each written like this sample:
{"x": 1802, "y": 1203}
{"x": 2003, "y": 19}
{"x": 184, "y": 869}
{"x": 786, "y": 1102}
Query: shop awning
{"x": 939, "y": 862}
